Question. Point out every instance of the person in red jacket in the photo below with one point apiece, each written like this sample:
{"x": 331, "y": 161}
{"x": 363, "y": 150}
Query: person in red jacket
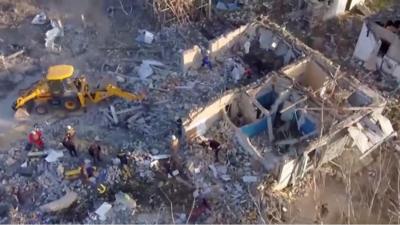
{"x": 35, "y": 138}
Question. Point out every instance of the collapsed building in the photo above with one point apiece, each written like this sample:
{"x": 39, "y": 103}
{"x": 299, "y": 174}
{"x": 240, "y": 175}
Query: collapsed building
{"x": 314, "y": 11}
{"x": 378, "y": 46}
{"x": 301, "y": 114}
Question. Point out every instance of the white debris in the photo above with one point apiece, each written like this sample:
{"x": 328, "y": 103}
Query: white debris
{"x": 120, "y": 79}
{"x": 226, "y": 177}
{"x": 114, "y": 114}
{"x": 145, "y": 36}
{"x": 103, "y": 210}
{"x": 125, "y": 201}
{"x": 246, "y": 47}
{"x": 249, "y": 179}
{"x": 175, "y": 173}
{"x": 155, "y": 164}
{"x": 145, "y": 69}
{"x": 237, "y": 72}
{"x": 39, "y": 19}
{"x": 214, "y": 170}
{"x": 52, "y": 34}
{"x": 196, "y": 193}
{"x": 54, "y": 155}
{"x": 24, "y": 165}
{"x": 158, "y": 157}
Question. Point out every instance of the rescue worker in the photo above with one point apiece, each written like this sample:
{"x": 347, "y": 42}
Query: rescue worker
{"x": 174, "y": 145}
{"x": 69, "y": 145}
{"x": 124, "y": 159}
{"x": 35, "y": 138}
{"x": 214, "y": 146}
{"x": 179, "y": 127}
{"x": 94, "y": 150}
{"x": 206, "y": 61}
{"x": 71, "y": 131}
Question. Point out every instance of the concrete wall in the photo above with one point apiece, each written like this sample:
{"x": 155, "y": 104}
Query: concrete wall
{"x": 204, "y": 119}
{"x": 224, "y": 42}
{"x": 355, "y": 2}
{"x": 294, "y": 71}
{"x": 308, "y": 73}
{"x": 338, "y": 7}
{"x": 243, "y": 104}
{"x": 191, "y": 58}
{"x": 365, "y": 44}
{"x": 314, "y": 77}
{"x": 335, "y": 148}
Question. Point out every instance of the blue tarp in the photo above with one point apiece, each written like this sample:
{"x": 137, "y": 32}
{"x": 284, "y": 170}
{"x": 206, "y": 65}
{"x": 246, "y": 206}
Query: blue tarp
{"x": 255, "y": 128}
{"x": 308, "y": 126}
{"x": 268, "y": 99}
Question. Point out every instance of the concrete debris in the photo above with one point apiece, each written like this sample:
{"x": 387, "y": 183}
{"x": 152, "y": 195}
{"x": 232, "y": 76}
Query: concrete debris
{"x": 103, "y": 210}
{"x": 227, "y": 6}
{"x": 145, "y": 69}
{"x": 175, "y": 173}
{"x": 53, "y": 155}
{"x": 65, "y": 202}
{"x": 124, "y": 200}
{"x": 159, "y": 157}
{"x": 52, "y": 34}
{"x": 114, "y": 114}
{"x": 246, "y": 125}
{"x": 145, "y": 37}
{"x": 40, "y": 19}
{"x": 249, "y": 179}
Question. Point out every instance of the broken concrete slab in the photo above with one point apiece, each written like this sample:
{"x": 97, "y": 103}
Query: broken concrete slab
{"x": 52, "y": 34}
{"x": 145, "y": 37}
{"x": 64, "y": 202}
{"x": 54, "y": 155}
{"x": 249, "y": 179}
{"x": 103, "y": 210}
{"x": 39, "y": 19}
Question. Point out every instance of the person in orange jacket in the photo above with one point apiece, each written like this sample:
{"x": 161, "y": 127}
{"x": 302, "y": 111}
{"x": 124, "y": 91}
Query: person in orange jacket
{"x": 35, "y": 138}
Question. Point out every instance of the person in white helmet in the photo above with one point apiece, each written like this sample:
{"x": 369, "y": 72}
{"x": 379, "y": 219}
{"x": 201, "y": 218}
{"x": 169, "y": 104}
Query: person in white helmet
{"x": 174, "y": 145}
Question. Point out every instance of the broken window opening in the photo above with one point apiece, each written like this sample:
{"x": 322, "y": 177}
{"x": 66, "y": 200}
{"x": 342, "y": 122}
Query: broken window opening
{"x": 348, "y": 5}
{"x": 385, "y": 45}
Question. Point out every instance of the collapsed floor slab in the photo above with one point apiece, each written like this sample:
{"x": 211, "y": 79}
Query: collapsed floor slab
{"x": 300, "y": 116}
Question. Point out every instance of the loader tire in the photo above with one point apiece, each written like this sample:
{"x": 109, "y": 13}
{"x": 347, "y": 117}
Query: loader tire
{"x": 41, "y": 109}
{"x": 71, "y": 103}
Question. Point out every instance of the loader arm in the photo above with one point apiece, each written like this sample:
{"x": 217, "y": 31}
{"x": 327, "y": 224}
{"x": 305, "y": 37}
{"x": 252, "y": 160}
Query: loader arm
{"x": 21, "y": 101}
{"x": 112, "y": 90}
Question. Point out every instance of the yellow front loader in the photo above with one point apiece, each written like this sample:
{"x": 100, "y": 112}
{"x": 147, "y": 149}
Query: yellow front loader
{"x": 58, "y": 89}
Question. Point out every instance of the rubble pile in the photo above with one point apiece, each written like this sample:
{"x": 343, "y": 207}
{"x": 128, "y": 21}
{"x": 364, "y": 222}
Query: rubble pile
{"x": 151, "y": 169}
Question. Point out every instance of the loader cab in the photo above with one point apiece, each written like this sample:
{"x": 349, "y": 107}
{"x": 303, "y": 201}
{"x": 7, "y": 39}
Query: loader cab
{"x": 57, "y": 76}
